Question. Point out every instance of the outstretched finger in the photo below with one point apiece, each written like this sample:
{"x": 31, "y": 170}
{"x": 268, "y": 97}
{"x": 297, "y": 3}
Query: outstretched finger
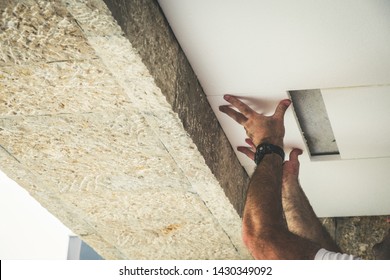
{"x": 242, "y": 107}
{"x": 237, "y": 116}
{"x": 250, "y": 143}
{"x": 282, "y": 108}
{"x": 247, "y": 151}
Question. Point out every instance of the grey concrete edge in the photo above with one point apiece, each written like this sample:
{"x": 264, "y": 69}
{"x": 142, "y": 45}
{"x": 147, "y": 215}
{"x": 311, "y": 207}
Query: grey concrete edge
{"x": 148, "y": 31}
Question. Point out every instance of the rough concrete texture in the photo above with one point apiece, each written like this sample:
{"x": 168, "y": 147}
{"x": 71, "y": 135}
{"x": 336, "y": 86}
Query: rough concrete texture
{"x": 357, "y": 235}
{"x": 85, "y": 129}
{"x": 146, "y": 27}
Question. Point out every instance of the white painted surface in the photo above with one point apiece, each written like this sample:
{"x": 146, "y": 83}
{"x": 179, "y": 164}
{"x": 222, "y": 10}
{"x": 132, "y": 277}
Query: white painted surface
{"x": 258, "y": 46}
{"x": 262, "y": 49}
{"x": 360, "y": 120}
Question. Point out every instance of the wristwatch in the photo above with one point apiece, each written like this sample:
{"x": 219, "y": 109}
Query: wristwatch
{"x": 264, "y": 149}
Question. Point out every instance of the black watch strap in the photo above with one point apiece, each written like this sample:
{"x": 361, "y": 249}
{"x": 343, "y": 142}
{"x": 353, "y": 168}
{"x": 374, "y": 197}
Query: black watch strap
{"x": 264, "y": 149}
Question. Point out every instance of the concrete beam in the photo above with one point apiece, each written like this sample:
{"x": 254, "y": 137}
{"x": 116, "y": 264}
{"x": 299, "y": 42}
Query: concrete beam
{"x": 148, "y": 31}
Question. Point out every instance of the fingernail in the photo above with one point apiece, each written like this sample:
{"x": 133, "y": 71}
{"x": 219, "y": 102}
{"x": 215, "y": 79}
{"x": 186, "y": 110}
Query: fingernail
{"x": 226, "y": 96}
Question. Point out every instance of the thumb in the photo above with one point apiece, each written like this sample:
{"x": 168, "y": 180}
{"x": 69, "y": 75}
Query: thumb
{"x": 294, "y": 154}
{"x": 281, "y": 108}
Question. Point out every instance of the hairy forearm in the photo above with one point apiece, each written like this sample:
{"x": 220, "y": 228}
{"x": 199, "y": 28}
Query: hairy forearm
{"x": 296, "y": 206}
{"x": 300, "y": 216}
{"x": 263, "y": 208}
{"x": 265, "y": 231}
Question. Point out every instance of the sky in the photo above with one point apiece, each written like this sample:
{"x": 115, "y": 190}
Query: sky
{"x": 27, "y": 230}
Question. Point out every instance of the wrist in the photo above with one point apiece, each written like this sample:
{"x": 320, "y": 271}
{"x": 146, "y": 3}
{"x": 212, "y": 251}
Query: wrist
{"x": 290, "y": 178}
{"x": 269, "y": 140}
{"x": 265, "y": 149}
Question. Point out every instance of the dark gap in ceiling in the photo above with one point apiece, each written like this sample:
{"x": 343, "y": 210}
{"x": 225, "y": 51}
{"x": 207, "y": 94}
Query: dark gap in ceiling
{"x": 313, "y": 119}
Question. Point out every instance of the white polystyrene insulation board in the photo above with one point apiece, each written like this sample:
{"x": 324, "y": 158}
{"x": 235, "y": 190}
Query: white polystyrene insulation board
{"x": 254, "y": 46}
{"x": 347, "y": 187}
{"x": 360, "y": 120}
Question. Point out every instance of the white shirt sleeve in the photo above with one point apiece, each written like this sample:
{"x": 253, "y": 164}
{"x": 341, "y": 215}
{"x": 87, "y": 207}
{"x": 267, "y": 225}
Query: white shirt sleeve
{"x": 324, "y": 254}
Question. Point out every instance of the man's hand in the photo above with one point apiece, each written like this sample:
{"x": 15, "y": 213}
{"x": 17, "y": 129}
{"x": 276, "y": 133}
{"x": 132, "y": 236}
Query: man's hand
{"x": 291, "y": 166}
{"x": 259, "y": 128}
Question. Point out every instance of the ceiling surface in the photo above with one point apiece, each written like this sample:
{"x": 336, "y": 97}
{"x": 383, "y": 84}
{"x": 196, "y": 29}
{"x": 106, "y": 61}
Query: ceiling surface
{"x": 261, "y": 50}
